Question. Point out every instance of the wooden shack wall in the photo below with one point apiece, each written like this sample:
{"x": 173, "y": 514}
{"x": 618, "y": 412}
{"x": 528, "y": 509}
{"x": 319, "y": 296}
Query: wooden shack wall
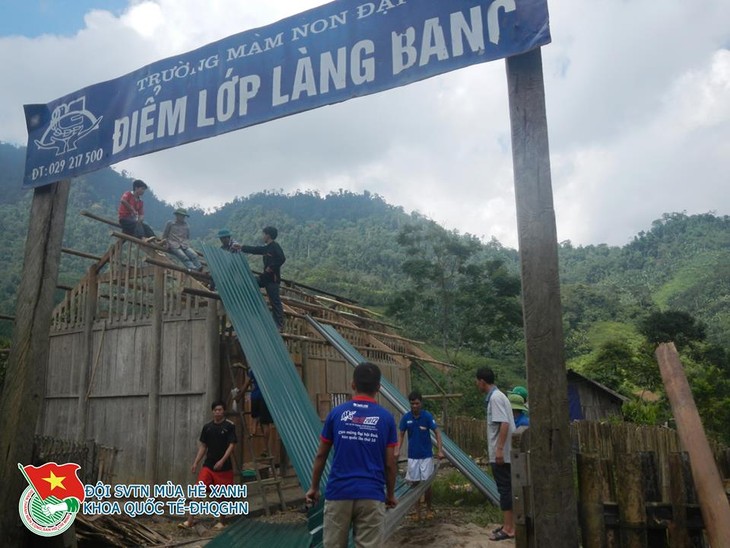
{"x": 118, "y": 396}
{"x": 596, "y": 404}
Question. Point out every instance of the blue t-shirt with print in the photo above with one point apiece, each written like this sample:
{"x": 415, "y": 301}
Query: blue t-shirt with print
{"x": 360, "y": 431}
{"x": 419, "y": 434}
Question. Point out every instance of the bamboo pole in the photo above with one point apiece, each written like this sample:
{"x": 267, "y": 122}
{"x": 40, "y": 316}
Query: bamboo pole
{"x": 77, "y": 253}
{"x": 710, "y": 492}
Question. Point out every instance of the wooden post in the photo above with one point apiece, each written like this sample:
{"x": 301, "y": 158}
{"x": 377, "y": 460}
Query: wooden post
{"x": 710, "y": 491}
{"x": 85, "y": 376}
{"x": 678, "y": 533}
{"x": 153, "y": 379}
{"x": 212, "y": 353}
{"x": 630, "y": 499}
{"x": 25, "y": 377}
{"x": 551, "y": 459}
{"x": 590, "y": 484}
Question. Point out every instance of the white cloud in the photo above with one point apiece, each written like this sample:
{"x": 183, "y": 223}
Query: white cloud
{"x": 637, "y": 97}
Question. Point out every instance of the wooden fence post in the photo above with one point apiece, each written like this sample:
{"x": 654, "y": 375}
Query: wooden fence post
{"x": 551, "y": 458}
{"x": 25, "y": 383}
{"x": 591, "y": 488}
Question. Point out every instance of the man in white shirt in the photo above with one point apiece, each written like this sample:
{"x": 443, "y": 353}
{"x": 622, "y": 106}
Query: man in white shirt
{"x": 500, "y": 427}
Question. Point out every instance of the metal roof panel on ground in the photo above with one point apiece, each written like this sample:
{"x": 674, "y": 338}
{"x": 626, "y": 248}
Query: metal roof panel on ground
{"x": 453, "y": 452}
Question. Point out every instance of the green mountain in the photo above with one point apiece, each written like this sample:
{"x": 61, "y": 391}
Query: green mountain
{"x": 459, "y": 294}
{"x": 348, "y": 243}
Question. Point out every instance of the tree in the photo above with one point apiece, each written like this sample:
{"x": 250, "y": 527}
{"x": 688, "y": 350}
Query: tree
{"x": 673, "y": 325}
{"x": 454, "y": 298}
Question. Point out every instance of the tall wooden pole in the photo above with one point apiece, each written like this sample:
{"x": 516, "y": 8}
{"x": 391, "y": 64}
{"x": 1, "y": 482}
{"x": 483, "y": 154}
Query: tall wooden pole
{"x": 24, "y": 390}
{"x": 551, "y": 461}
{"x": 153, "y": 378}
{"x": 708, "y": 483}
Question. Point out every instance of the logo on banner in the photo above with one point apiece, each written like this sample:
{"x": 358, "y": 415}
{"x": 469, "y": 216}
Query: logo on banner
{"x": 52, "y": 499}
{"x": 70, "y": 123}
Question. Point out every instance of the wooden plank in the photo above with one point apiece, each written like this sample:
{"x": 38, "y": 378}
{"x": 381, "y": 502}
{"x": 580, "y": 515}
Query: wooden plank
{"x": 24, "y": 386}
{"x": 590, "y": 485}
{"x": 630, "y": 499}
{"x": 551, "y": 459}
{"x": 153, "y": 383}
{"x": 710, "y": 490}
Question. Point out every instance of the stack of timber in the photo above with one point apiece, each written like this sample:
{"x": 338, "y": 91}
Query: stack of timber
{"x": 116, "y": 531}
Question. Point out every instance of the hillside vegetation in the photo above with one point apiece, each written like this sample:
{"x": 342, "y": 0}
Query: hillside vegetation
{"x": 458, "y": 293}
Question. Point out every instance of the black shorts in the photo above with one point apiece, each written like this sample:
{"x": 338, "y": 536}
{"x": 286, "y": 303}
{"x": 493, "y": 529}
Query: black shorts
{"x": 503, "y": 478}
{"x": 260, "y": 411}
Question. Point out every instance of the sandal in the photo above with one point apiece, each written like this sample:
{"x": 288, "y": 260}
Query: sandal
{"x": 497, "y": 530}
{"x": 501, "y": 535}
{"x": 184, "y": 525}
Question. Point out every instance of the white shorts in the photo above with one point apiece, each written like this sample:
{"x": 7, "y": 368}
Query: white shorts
{"x": 419, "y": 469}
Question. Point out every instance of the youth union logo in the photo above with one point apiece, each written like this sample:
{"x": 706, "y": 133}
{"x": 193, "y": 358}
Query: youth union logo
{"x": 52, "y": 499}
{"x": 70, "y": 123}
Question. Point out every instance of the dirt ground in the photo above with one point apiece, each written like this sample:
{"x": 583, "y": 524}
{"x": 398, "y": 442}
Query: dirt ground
{"x": 450, "y": 528}
{"x": 453, "y": 525}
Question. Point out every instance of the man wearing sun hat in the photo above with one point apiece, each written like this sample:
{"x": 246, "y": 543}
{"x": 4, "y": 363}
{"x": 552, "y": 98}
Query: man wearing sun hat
{"x": 177, "y": 235}
{"x": 517, "y": 402}
{"x": 227, "y": 241}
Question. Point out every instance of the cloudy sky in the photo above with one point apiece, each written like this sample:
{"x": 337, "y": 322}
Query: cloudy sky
{"x": 638, "y": 100}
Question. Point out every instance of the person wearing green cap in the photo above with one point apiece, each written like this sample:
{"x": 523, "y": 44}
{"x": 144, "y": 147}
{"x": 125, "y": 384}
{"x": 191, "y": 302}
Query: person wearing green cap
{"x": 519, "y": 410}
{"x": 177, "y": 236}
{"x": 227, "y": 241}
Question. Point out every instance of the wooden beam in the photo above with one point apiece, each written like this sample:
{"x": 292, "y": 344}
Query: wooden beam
{"x": 411, "y": 357}
{"x": 551, "y": 459}
{"x": 439, "y": 396}
{"x": 25, "y": 379}
{"x": 99, "y": 218}
{"x": 6, "y": 317}
{"x": 202, "y": 293}
{"x": 153, "y": 380}
{"x": 708, "y": 483}
{"x": 69, "y": 251}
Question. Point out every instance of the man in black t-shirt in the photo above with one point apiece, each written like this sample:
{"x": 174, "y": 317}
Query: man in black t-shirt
{"x": 217, "y": 440}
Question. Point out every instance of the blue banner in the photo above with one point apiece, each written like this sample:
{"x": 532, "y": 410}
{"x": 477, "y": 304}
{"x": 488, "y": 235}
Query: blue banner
{"x": 329, "y": 54}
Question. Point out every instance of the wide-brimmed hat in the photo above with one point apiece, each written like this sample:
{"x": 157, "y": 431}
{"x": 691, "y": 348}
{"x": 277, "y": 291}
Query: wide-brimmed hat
{"x": 224, "y": 233}
{"x": 517, "y": 402}
{"x": 520, "y": 391}
{"x": 181, "y": 211}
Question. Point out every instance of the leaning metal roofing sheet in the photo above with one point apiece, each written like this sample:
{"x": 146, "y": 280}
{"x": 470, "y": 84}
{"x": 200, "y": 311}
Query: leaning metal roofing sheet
{"x": 296, "y": 420}
{"x": 453, "y": 452}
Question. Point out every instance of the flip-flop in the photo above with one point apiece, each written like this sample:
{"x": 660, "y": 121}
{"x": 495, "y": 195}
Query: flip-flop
{"x": 184, "y": 525}
{"x": 501, "y": 535}
{"x": 497, "y": 529}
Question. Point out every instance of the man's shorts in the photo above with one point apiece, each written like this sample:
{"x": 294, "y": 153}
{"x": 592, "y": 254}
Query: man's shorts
{"x": 419, "y": 469}
{"x": 260, "y": 411}
{"x": 215, "y": 477}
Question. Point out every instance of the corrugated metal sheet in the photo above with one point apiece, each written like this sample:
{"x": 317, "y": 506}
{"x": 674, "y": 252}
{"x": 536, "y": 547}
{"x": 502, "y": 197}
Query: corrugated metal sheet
{"x": 250, "y": 532}
{"x": 296, "y": 420}
{"x": 453, "y": 452}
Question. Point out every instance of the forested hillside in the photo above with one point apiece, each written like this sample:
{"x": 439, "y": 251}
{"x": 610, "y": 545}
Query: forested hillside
{"x": 459, "y": 294}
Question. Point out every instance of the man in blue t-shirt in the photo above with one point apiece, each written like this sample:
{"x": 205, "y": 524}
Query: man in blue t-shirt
{"x": 362, "y": 478}
{"x": 419, "y": 423}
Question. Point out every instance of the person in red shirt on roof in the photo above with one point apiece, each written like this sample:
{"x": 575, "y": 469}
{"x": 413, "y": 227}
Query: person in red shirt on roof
{"x": 131, "y": 212}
